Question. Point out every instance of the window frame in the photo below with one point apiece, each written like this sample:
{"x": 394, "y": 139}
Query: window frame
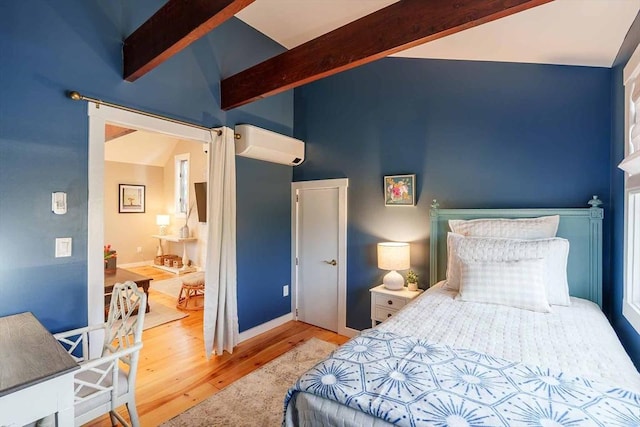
{"x": 631, "y": 290}
{"x": 177, "y": 184}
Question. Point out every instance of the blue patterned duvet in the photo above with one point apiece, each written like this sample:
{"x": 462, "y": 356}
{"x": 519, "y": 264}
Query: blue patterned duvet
{"x": 410, "y": 382}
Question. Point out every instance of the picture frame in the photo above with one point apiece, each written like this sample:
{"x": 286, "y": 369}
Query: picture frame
{"x": 131, "y": 198}
{"x": 400, "y": 190}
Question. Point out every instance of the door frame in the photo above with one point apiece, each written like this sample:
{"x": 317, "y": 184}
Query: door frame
{"x": 99, "y": 116}
{"x": 341, "y": 184}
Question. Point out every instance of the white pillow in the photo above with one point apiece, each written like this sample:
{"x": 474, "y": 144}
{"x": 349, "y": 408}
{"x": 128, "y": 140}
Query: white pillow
{"x": 520, "y": 228}
{"x": 554, "y": 251}
{"x": 518, "y": 284}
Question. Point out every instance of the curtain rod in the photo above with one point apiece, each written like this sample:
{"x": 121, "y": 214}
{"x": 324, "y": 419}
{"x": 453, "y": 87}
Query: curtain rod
{"x": 77, "y": 96}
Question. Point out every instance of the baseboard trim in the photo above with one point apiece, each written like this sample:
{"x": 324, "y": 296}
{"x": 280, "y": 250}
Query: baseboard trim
{"x": 267, "y": 326}
{"x": 136, "y": 264}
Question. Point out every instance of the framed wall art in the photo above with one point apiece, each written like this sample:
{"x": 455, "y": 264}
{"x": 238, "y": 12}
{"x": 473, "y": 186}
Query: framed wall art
{"x": 400, "y": 190}
{"x": 131, "y": 198}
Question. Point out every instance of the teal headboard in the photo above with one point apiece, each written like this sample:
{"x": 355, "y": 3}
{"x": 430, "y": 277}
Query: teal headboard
{"x": 582, "y": 227}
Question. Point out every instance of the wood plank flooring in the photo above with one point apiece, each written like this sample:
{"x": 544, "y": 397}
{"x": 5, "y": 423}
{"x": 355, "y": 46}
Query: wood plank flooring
{"x": 174, "y": 374}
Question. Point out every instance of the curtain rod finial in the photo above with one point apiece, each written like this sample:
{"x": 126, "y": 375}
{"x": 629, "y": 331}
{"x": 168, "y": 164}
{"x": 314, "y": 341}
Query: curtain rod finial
{"x": 75, "y": 95}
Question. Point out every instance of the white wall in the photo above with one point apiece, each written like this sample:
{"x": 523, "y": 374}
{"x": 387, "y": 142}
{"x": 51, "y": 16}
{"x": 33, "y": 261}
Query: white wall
{"x": 125, "y": 232}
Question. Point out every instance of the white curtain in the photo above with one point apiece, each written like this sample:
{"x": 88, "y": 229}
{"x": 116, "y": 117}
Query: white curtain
{"x": 220, "y": 300}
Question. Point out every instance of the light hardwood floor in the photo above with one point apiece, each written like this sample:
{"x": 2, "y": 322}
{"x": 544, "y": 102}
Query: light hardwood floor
{"x": 174, "y": 374}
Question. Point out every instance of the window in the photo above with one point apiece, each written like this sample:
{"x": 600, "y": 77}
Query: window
{"x": 181, "y": 185}
{"x": 631, "y": 166}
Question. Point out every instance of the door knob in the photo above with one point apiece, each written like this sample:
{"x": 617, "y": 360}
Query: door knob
{"x": 332, "y": 262}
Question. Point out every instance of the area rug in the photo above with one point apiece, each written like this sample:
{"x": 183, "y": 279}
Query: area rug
{"x": 161, "y": 314}
{"x": 256, "y": 399}
{"x": 172, "y": 286}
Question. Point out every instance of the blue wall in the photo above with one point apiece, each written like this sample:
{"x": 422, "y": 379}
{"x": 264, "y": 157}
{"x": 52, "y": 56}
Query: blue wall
{"x": 476, "y": 134}
{"x": 47, "y": 48}
{"x": 264, "y": 241}
{"x": 629, "y": 337}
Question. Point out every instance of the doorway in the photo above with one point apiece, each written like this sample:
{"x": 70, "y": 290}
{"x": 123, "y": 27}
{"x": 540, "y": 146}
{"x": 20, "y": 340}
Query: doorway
{"x": 319, "y": 253}
{"x": 99, "y": 116}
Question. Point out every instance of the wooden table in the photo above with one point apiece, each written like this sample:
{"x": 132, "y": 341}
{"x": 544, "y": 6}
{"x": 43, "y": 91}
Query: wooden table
{"x": 121, "y": 276}
{"x": 36, "y": 373}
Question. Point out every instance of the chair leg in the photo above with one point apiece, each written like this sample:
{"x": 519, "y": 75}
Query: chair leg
{"x": 133, "y": 412}
{"x": 117, "y": 419}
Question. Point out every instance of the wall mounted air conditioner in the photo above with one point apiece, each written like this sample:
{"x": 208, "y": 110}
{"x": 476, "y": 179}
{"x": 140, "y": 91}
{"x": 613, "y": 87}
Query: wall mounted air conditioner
{"x": 262, "y": 144}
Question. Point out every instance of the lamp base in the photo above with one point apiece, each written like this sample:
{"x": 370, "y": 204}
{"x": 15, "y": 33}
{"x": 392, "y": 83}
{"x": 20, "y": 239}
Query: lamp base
{"x": 393, "y": 281}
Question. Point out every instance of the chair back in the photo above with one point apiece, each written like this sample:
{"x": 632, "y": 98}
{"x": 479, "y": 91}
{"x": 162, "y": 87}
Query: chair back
{"x": 104, "y": 383}
{"x": 126, "y": 318}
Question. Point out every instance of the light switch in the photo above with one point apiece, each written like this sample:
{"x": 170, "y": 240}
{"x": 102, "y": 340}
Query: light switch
{"x": 63, "y": 247}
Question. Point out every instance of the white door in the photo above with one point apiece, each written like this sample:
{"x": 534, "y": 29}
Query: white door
{"x": 317, "y": 257}
{"x": 320, "y": 246}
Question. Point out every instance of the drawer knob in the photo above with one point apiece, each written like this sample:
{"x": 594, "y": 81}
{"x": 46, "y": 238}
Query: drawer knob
{"x": 390, "y": 302}
{"x": 388, "y": 314}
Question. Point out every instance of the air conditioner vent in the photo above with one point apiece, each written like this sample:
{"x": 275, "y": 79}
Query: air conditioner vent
{"x": 262, "y": 144}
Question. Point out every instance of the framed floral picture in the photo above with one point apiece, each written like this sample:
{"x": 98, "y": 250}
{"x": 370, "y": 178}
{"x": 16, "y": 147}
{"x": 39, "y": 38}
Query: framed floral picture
{"x": 131, "y": 198}
{"x": 400, "y": 190}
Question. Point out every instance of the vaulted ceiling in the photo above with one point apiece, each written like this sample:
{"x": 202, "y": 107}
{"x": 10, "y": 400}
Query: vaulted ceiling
{"x": 565, "y": 32}
{"x": 325, "y": 37}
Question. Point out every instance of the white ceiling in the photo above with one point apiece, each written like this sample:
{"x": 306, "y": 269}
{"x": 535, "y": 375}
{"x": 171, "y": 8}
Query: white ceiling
{"x": 141, "y": 148}
{"x": 566, "y": 32}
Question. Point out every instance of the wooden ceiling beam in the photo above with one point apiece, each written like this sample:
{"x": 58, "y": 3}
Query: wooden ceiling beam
{"x": 397, "y": 27}
{"x": 173, "y": 27}
{"x": 113, "y": 132}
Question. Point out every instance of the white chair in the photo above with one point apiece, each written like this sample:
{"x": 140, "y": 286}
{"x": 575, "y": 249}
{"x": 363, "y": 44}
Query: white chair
{"x": 105, "y": 383}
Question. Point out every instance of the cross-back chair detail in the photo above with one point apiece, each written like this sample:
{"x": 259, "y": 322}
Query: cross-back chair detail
{"x": 102, "y": 384}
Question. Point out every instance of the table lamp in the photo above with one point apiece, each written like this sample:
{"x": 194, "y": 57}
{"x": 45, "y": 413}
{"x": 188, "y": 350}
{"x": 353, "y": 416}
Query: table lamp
{"x": 393, "y": 256}
{"x": 162, "y": 221}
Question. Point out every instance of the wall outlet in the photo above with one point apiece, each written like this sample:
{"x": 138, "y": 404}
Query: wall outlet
{"x": 285, "y": 291}
{"x": 139, "y": 249}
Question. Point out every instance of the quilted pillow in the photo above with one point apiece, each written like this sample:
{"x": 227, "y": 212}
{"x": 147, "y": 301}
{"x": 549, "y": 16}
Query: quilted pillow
{"x": 554, "y": 251}
{"x": 520, "y": 228}
{"x": 518, "y": 284}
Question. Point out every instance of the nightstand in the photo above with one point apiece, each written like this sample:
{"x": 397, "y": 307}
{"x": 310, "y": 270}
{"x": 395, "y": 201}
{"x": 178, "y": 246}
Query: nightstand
{"x": 385, "y": 303}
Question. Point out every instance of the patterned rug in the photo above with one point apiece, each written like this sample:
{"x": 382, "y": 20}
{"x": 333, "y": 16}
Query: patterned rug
{"x": 160, "y": 314}
{"x": 256, "y": 399}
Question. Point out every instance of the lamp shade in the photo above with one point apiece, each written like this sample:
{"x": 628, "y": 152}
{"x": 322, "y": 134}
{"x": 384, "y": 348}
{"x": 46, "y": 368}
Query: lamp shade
{"x": 393, "y": 256}
{"x": 162, "y": 219}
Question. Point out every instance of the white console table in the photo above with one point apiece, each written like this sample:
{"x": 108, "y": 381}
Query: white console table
{"x": 185, "y": 258}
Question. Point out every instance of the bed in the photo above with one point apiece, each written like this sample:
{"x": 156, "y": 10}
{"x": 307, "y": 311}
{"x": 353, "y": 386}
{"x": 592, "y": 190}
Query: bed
{"x": 456, "y": 355}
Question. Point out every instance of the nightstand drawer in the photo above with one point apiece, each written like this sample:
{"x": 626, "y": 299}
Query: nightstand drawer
{"x": 383, "y": 313}
{"x": 385, "y": 303}
{"x": 388, "y": 301}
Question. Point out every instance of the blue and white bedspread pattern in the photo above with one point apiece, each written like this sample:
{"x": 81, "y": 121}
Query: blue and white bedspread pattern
{"x": 410, "y": 382}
